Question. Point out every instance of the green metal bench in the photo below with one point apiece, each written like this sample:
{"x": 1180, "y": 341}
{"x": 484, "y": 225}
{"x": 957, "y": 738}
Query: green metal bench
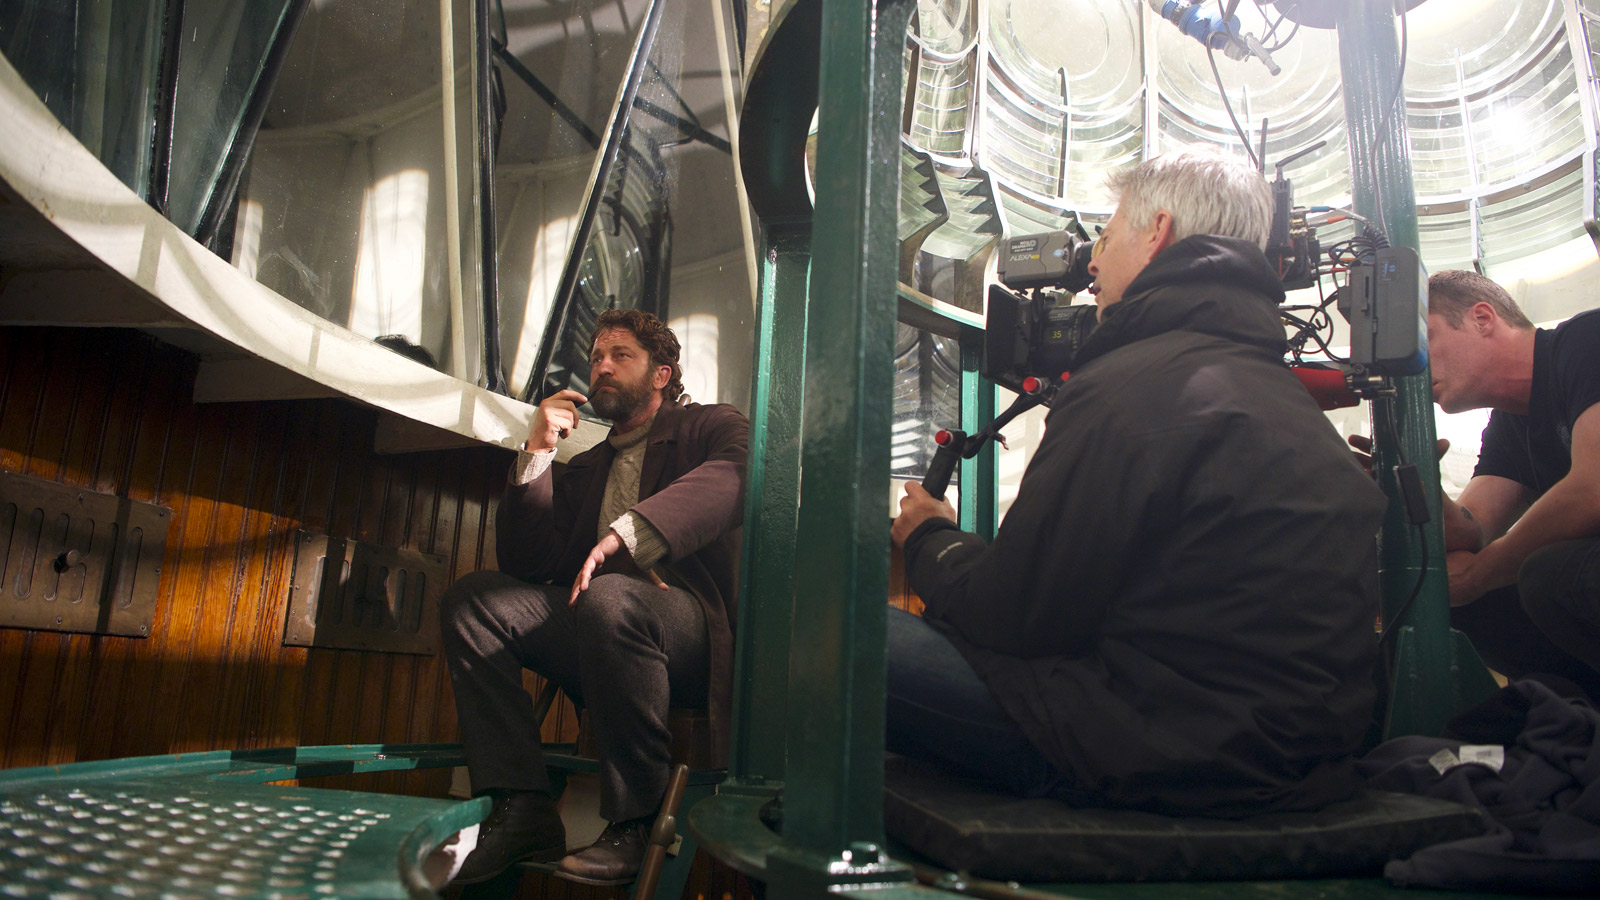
{"x": 208, "y": 824}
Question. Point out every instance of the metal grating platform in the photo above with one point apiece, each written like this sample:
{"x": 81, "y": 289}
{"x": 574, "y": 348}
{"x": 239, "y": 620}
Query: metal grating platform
{"x": 204, "y": 831}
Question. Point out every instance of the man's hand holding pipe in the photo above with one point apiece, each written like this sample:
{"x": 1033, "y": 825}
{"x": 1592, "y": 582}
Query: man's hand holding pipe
{"x": 555, "y": 418}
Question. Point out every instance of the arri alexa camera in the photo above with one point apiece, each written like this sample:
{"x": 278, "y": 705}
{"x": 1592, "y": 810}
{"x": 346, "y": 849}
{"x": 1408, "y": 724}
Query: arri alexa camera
{"x": 1033, "y": 332}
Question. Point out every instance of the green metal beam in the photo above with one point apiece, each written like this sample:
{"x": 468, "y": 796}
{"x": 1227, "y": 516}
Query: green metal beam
{"x": 1425, "y": 693}
{"x": 772, "y": 503}
{"x": 979, "y": 511}
{"x": 833, "y": 802}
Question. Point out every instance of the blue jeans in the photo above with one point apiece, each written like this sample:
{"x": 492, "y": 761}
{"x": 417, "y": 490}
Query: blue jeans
{"x": 940, "y": 710}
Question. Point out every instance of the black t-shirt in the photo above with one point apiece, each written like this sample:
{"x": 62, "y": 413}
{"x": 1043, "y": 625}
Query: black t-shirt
{"x": 1536, "y": 449}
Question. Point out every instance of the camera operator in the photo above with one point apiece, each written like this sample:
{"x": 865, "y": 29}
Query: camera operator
{"x": 1177, "y": 613}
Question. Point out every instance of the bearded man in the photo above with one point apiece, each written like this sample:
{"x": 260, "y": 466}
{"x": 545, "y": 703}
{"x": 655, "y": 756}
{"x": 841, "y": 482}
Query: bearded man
{"x": 617, "y": 582}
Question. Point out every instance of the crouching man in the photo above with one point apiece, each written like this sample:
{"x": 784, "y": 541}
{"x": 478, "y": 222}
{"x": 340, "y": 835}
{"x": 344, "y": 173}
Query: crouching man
{"x": 617, "y": 579}
{"x": 1524, "y": 537}
{"x": 1177, "y": 612}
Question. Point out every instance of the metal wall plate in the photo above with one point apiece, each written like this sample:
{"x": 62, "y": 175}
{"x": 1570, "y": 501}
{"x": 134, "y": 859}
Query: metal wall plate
{"x": 354, "y": 596}
{"x": 78, "y": 560}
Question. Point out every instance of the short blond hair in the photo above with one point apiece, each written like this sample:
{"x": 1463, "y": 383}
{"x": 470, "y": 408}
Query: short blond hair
{"x": 1454, "y": 291}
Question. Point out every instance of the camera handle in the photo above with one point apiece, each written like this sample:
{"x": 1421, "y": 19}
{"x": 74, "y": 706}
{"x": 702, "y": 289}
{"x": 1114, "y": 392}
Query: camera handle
{"x": 955, "y": 444}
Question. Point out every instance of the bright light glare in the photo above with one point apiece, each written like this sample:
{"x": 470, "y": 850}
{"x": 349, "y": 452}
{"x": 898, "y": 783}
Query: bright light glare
{"x": 247, "y": 238}
{"x": 698, "y": 339}
{"x": 391, "y": 252}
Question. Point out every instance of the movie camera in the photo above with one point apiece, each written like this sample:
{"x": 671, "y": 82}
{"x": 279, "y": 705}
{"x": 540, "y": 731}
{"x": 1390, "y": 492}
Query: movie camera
{"x": 1033, "y": 333}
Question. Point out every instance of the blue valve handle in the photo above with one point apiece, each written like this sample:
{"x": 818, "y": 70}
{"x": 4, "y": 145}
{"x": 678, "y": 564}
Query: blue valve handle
{"x": 1201, "y": 22}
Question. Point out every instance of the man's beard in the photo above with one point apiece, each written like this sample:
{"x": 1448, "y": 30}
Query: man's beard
{"x": 621, "y": 404}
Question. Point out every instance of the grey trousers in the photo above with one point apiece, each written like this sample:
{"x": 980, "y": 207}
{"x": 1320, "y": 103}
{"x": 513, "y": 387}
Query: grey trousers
{"x": 627, "y": 651}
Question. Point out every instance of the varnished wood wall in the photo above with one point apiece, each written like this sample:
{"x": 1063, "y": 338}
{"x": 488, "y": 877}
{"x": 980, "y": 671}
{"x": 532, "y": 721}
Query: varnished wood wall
{"x": 111, "y": 410}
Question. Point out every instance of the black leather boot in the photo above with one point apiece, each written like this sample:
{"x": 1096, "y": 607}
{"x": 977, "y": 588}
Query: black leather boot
{"x": 524, "y": 825}
{"x": 614, "y": 858}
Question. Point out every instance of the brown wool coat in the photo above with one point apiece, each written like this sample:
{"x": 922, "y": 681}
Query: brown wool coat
{"x": 691, "y": 490}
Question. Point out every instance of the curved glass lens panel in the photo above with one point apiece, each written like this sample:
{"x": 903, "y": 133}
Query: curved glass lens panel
{"x": 1028, "y": 216}
{"x": 1490, "y": 40}
{"x": 1493, "y": 100}
{"x": 954, "y": 263}
{"x": 1099, "y": 144}
{"x": 1541, "y": 215}
{"x": 943, "y": 105}
{"x": 1024, "y": 139}
{"x": 1083, "y": 56}
{"x": 1534, "y": 123}
{"x": 1441, "y": 164}
{"x": 625, "y": 263}
{"x": 670, "y": 234}
{"x": 1445, "y": 236}
{"x": 947, "y": 27}
{"x": 1492, "y": 95}
{"x": 1097, "y": 45}
{"x": 927, "y": 397}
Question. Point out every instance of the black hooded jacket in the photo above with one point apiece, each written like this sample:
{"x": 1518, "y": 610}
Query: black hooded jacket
{"x": 1178, "y": 609}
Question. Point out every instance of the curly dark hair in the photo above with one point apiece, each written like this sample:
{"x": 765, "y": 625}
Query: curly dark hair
{"x": 654, "y": 336}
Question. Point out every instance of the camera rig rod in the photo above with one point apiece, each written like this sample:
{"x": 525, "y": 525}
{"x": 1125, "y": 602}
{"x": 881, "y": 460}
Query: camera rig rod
{"x": 955, "y": 445}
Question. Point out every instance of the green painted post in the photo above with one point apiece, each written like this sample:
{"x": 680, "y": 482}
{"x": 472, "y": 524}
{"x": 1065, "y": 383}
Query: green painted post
{"x": 772, "y": 503}
{"x": 833, "y": 797}
{"x": 979, "y": 475}
{"x": 1428, "y": 670}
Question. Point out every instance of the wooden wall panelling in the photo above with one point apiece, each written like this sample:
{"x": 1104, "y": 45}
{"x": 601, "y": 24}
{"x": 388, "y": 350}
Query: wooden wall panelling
{"x": 279, "y": 710}
{"x": 145, "y": 403}
{"x": 409, "y": 517}
{"x": 371, "y": 671}
{"x": 250, "y": 651}
{"x": 404, "y": 527}
{"x": 43, "y": 653}
{"x": 111, "y": 368}
{"x": 317, "y": 501}
{"x": 186, "y": 654}
{"x": 17, "y": 394}
{"x": 218, "y": 591}
{"x": 267, "y": 580}
{"x": 388, "y": 687}
{"x": 154, "y": 685}
{"x": 900, "y": 592}
{"x": 422, "y": 698}
{"x": 465, "y": 534}
{"x": 464, "y": 544}
{"x": 331, "y": 672}
{"x": 240, "y": 479}
{"x": 398, "y": 682}
{"x": 119, "y": 425}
